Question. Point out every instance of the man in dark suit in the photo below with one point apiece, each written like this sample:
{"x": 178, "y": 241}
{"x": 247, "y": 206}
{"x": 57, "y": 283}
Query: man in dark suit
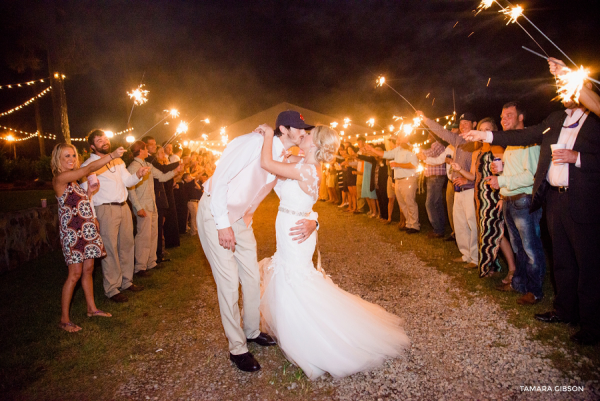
{"x": 567, "y": 183}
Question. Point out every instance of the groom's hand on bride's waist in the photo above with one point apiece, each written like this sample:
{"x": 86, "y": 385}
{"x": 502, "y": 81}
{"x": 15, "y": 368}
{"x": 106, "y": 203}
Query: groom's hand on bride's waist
{"x": 303, "y": 230}
{"x": 227, "y": 238}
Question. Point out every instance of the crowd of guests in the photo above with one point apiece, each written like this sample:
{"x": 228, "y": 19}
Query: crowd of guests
{"x": 495, "y": 193}
{"x": 161, "y": 185}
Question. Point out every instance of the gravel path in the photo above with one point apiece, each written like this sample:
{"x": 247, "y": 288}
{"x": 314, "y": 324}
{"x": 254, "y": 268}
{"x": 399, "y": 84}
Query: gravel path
{"x": 462, "y": 346}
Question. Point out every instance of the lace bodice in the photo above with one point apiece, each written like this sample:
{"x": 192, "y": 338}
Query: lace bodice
{"x": 292, "y": 196}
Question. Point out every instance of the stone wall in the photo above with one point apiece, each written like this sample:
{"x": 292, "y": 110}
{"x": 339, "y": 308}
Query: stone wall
{"x": 26, "y": 235}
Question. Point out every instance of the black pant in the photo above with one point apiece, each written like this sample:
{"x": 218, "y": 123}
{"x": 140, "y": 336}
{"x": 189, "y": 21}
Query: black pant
{"x": 159, "y": 243}
{"x": 171, "y": 228}
{"x": 576, "y": 266}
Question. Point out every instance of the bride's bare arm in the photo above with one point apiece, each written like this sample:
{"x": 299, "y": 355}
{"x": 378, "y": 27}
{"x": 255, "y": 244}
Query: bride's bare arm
{"x": 285, "y": 170}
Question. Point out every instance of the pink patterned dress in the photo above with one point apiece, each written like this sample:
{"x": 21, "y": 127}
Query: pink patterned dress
{"x": 79, "y": 231}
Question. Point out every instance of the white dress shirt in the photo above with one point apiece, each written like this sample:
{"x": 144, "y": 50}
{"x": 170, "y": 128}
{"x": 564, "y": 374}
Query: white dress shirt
{"x": 174, "y": 158}
{"x": 558, "y": 174}
{"x": 114, "y": 180}
{"x": 238, "y": 154}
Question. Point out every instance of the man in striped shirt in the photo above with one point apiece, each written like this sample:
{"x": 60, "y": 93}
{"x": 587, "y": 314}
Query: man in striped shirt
{"x": 465, "y": 220}
{"x": 436, "y": 178}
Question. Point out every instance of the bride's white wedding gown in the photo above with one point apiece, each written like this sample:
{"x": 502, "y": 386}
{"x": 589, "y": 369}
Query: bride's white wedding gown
{"x": 320, "y": 327}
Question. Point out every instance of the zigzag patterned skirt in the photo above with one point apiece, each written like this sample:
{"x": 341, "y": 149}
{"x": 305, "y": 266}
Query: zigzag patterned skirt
{"x": 490, "y": 220}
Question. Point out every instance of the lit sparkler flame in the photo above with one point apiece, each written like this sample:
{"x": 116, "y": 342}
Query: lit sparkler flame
{"x": 173, "y": 113}
{"x": 204, "y": 136}
{"x": 512, "y": 13}
{"x": 371, "y": 122}
{"x": 206, "y": 121}
{"x": 347, "y": 120}
{"x": 484, "y": 5}
{"x": 182, "y": 128}
{"x": 407, "y": 128}
{"x": 380, "y": 80}
{"x": 391, "y": 128}
{"x": 139, "y": 95}
{"x": 396, "y": 118}
{"x": 571, "y": 83}
{"x": 334, "y": 124}
{"x": 420, "y": 168}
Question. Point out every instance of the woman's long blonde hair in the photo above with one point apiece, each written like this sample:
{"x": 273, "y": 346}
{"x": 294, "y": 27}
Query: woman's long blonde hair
{"x": 55, "y": 158}
{"x": 327, "y": 142}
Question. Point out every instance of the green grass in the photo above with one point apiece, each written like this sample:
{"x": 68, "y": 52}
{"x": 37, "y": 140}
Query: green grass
{"x": 11, "y": 201}
{"x": 40, "y": 361}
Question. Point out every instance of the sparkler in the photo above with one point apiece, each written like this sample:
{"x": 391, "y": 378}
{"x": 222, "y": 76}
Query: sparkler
{"x": 571, "y": 83}
{"x": 513, "y": 13}
{"x": 484, "y": 5}
{"x": 334, "y": 124}
{"x": 557, "y": 62}
{"x": 139, "y": 95}
{"x": 371, "y": 122}
{"x": 381, "y": 81}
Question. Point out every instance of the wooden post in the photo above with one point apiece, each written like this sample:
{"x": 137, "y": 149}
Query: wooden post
{"x": 40, "y": 132}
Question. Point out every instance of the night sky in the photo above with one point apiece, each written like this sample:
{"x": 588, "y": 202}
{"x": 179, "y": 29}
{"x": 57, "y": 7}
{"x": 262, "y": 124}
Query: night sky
{"x": 227, "y": 60}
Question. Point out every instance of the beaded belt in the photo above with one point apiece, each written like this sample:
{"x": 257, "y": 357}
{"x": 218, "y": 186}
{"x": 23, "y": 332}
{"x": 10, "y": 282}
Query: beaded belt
{"x": 284, "y": 210}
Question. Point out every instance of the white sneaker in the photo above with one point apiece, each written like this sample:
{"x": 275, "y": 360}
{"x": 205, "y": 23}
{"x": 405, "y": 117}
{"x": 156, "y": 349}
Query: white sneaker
{"x": 343, "y": 205}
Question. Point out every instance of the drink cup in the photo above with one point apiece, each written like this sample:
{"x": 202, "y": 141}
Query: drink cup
{"x": 498, "y": 164}
{"x": 558, "y": 146}
{"x": 44, "y": 203}
{"x": 92, "y": 179}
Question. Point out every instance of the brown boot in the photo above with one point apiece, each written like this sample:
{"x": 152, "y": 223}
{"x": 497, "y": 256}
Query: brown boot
{"x": 528, "y": 299}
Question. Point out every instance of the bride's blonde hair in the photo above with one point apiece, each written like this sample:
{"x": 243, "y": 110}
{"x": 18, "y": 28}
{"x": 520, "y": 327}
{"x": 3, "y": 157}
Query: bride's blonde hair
{"x": 327, "y": 142}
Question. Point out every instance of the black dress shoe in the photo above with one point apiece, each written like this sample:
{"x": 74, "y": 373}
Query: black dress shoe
{"x": 585, "y": 338}
{"x": 134, "y": 288}
{"x": 412, "y": 231}
{"x": 119, "y": 298}
{"x": 143, "y": 273}
{"x": 263, "y": 339}
{"x": 550, "y": 317}
{"x": 245, "y": 362}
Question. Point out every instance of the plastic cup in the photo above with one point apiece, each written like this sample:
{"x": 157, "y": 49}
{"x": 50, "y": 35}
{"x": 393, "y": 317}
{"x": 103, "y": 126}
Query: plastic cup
{"x": 499, "y": 165}
{"x": 558, "y": 146}
{"x": 92, "y": 179}
{"x": 44, "y": 203}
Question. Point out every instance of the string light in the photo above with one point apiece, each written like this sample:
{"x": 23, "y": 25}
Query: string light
{"x": 125, "y": 131}
{"x": 27, "y": 103}
{"x": 22, "y": 84}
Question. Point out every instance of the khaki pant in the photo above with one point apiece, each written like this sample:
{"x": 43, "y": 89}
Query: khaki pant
{"x": 116, "y": 229}
{"x": 146, "y": 240}
{"x": 361, "y": 202}
{"x": 193, "y": 209}
{"x": 229, "y": 270}
{"x": 406, "y": 191}
{"x": 465, "y": 225}
{"x": 450, "y": 203}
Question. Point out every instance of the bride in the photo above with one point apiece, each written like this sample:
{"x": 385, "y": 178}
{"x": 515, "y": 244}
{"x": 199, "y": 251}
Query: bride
{"x": 320, "y": 327}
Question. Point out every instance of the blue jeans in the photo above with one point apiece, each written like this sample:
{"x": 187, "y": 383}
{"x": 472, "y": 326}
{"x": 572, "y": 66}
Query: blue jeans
{"x": 435, "y": 202}
{"x": 524, "y": 231}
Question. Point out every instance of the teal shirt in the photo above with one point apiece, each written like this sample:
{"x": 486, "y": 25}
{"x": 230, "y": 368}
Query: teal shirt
{"x": 520, "y": 165}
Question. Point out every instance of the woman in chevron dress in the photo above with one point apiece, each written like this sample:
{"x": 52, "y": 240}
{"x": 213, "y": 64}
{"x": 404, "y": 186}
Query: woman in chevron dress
{"x": 488, "y": 206}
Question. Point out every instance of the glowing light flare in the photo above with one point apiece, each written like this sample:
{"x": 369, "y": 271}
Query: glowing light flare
{"x": 139, "y": 95}
{"x": 204, "y": 136}
{"x": 380, "y": 80}
{"x": 371, "y": 122}
{"x": 512, "y": 13}
{"x": 206, "y": 121}
{"x": 109, "y": 134}
{"x": 173, "y": 113}
{"x": 182, "y": 128}
{"x": 334, "y": 124}
{"x": 391, "y": 128}
{"x": 420, "y": 168}
{"x": 484, "y": 5}
{"x": 10, "y": 138}
{"x": 185, "y": 143}
{"x": 407, "y": 129}
{"x": 571, "y": 83}
{"x": 130, "y": 139}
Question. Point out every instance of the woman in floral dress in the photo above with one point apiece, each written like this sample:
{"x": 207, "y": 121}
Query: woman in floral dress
{"x": 79, "y": 233}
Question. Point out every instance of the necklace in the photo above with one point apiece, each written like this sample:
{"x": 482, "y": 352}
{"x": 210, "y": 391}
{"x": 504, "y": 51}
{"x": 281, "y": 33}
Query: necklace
{"x": 576, "y": 123}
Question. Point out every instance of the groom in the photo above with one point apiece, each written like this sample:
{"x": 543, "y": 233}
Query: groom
{"x": 224, "y": 219}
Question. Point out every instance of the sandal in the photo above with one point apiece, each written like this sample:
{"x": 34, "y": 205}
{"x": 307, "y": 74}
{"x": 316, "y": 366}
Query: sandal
{"x": 508, "y": 278}
{"x": 69, "y": 327}
{"x": 98, "y": 312}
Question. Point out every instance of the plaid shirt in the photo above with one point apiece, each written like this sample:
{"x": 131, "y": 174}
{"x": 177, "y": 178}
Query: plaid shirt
{"x": 435, "y": 150}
